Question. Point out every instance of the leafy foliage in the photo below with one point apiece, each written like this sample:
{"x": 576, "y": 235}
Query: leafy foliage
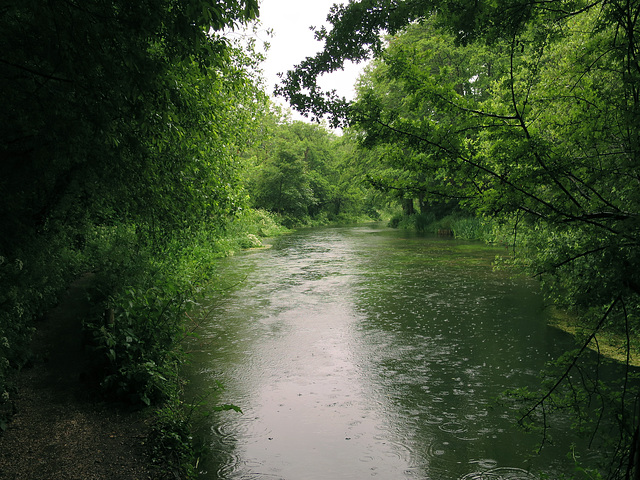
{"x": 302, "y": 173}
{"x": 95, "y": 96}
{"x": 122, "y": 123}
{"x": 171, "y": 444}
{"x": 145, "y": 305}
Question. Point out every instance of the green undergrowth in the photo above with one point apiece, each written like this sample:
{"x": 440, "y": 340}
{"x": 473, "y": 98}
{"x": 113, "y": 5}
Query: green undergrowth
{"x": 324, "y": 219}
{"x": 146, "y": 305}
{"x": 247, "y": 231}
{"x": 172, "y": 449}
{"x": 145, "y": 298}
{"x": 461, "y": 226}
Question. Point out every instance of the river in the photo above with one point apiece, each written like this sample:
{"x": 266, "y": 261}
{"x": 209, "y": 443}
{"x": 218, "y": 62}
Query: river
{"x": 360, "y": 352}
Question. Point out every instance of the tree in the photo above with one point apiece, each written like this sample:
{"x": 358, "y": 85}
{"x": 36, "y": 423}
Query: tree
{"x": 527, "y": 113}
{"x": 423, "y": 55}
{"x": 300, "y": 171}
{"x": 94, "y": 93}
{"x": 114, "y": 114}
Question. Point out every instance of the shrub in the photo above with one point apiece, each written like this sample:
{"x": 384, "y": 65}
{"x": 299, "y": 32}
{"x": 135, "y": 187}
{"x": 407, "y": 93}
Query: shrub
{"x": 135, "y": 348}
{"x": 170, "y": 443}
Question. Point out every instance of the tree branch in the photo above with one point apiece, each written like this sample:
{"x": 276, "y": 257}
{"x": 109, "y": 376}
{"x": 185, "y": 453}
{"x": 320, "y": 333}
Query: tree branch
{"x": 586, "y": 343}
{"x": 35, "y": 72}
{"x": 454, "y": 154}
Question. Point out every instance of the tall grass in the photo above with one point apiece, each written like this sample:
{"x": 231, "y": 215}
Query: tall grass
{"x": 464, "y": 227}
{"x": 469, "y": 228}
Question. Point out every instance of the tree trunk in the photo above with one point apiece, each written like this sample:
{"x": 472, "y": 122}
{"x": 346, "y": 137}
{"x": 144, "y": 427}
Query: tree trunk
{"x": 407, "y": 206}
{"x": 635, "y": 454}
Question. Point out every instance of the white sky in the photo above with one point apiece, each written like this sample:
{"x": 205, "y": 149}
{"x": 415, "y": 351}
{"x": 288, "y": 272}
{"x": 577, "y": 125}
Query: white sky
{"x": 293, "y": 41}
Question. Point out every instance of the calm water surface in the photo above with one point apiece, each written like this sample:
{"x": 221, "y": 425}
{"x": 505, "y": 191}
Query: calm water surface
{"x": 362, "y": 352}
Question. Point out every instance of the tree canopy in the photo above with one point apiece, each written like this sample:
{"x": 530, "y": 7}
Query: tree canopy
{"x": 96, "y": 95}
{"x": 122, "y": 123}
{"x": 304, "y": 174}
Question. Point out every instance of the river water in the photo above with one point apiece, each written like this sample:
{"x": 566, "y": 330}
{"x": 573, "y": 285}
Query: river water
{"x": 362, "y": 352}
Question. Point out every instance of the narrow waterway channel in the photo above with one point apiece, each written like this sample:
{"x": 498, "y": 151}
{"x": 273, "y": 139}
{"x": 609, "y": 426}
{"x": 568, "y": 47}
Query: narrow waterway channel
{"x": 363, "y": 352}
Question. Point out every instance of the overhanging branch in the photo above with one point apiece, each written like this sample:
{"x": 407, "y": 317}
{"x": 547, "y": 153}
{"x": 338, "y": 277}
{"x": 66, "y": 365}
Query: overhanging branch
{"x": 567, "y": 371}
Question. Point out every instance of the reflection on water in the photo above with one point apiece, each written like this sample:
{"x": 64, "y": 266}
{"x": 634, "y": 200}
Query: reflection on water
{"x": 361, "y": 352}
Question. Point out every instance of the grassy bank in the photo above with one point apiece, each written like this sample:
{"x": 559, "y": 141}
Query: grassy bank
{"x": 608, "y": 343}
{"x": 143, "y": 298}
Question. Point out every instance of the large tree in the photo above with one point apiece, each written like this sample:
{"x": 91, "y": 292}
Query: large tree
{"x": 529, "y": 113}
{"x": 114, "y": 113}
{"x": 106, "y": 105}
{"x": 301, "y": 172}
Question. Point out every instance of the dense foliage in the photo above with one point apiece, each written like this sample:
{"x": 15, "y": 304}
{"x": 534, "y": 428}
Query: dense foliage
{"x": 305, "y": 175}
{"x": 524, "y": 113}
{"x": 122, "y": 123}
{"x": 107, "y": 104}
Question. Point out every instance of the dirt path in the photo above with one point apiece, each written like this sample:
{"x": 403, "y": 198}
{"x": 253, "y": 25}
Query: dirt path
{"x": 58, "y": 433}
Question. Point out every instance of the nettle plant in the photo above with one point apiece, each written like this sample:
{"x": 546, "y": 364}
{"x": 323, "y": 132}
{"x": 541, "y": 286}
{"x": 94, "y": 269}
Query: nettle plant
{"x": 136, "y": 344}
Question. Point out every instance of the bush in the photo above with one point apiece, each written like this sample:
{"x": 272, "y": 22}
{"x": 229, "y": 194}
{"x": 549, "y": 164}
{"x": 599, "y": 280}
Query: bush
{"x": 259, "y": 223}
{"x": 134, "y": 347}
{"x": 170, "y": 443}
{"x": 135, "y": 353}
{"x": 149, "y": 294}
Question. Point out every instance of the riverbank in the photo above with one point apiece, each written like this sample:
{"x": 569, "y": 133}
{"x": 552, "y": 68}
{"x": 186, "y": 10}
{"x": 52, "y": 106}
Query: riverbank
{"x": 59, "y": 431}
{"x": 608, "y": 344}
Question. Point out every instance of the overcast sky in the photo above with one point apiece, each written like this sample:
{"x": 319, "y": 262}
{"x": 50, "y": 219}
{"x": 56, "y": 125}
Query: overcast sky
{"x": 292, "y": 41}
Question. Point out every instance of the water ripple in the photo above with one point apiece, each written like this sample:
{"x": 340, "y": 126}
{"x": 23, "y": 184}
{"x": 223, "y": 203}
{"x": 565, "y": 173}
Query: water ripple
{"x": 394, "y": 343}
{"x": 500, "y": 473}
{"x": 452, "y": 427}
